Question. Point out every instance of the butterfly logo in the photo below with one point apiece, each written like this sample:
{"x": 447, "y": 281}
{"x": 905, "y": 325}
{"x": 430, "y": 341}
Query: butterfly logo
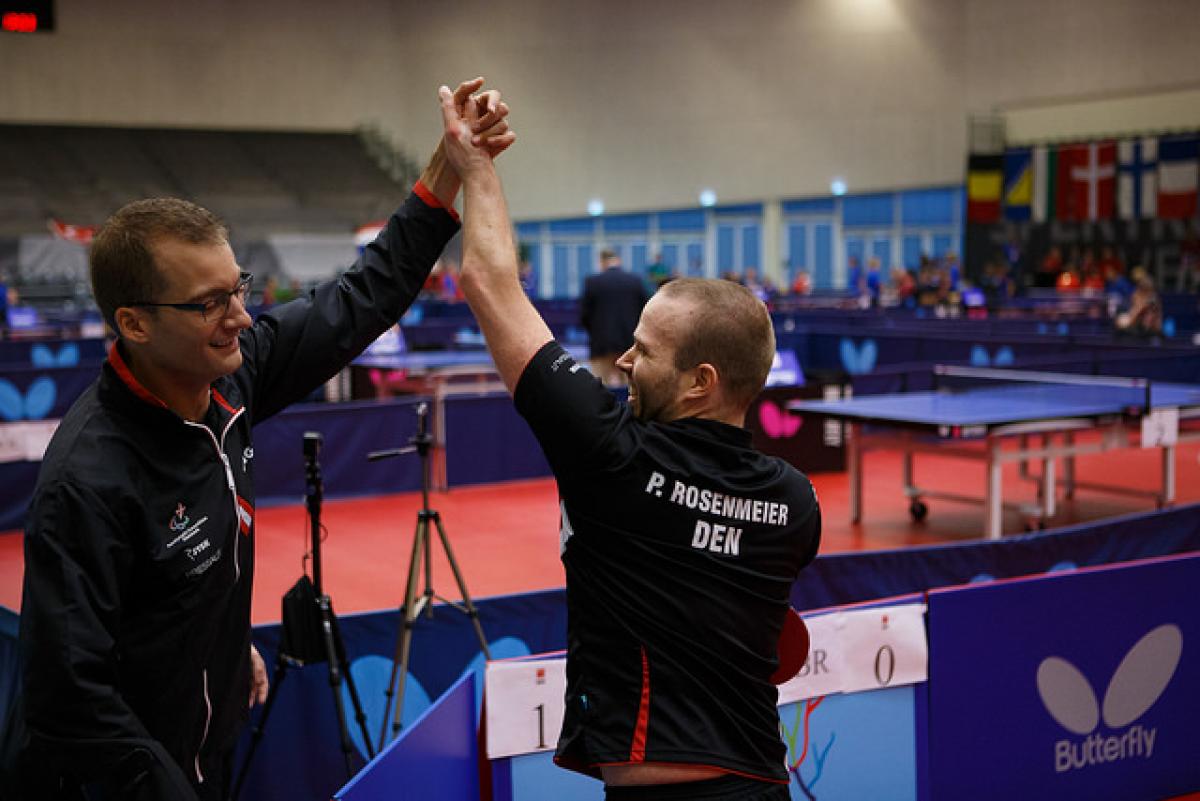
{"x": 32, "y": 404}
{"x": 1138, "y": 682}
{"x": 858, "y": 359}
{"x": 981, "y": 358}
{"x": 777, "y": 423}
{"x": 43, "y": 356}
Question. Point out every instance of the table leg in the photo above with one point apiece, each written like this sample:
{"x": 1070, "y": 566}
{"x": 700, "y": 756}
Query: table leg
{"x": 1168, "y": 474}
{"x": 992, "y": 497}
{"x": 855, "y": 455}
{"x": 1049, "y": 491}
{"x": 1069, "y": 466}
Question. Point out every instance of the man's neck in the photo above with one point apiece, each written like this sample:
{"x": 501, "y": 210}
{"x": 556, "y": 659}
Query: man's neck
{"x": 190, "y": 403}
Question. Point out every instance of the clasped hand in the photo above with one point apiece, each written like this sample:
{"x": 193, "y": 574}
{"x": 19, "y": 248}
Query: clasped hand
{"x": 475, "y": 128}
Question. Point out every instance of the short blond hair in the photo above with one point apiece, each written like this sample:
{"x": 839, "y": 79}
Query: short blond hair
{"x": 732, "y": 332}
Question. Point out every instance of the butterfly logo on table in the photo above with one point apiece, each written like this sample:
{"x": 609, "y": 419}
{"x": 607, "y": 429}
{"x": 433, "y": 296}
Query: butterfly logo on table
{"x": 980, "y": 357}
{"x": 858, "y": 358}
{"x": 34, "y": 403}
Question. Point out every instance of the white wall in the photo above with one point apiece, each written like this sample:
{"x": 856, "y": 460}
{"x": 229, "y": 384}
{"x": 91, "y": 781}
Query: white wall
{"x": 640, "y": 103}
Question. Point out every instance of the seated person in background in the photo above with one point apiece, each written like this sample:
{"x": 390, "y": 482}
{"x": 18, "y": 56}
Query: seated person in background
{"x": 802, "y": 285}
{"x": 1050, "y": 268}
{"x": 1144, "y": 317}
{"x": 1068, "y": 281}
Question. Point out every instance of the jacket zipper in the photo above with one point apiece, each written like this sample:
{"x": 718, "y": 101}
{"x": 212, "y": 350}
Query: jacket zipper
{"x": 220, "y": 446}
{"x": 237, "y": 572}
{"x": 204, "y": 736}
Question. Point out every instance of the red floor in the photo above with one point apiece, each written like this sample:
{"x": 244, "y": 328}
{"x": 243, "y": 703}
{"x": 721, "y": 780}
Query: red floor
{"x": 506, "y": 536}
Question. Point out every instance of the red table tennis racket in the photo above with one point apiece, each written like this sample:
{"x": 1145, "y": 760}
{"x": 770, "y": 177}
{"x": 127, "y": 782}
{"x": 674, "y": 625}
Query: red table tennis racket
{"x": 793, "y": 647}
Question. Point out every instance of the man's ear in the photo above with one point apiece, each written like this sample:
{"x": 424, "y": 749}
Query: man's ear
{"x": 705, "y": 379}
{"x": 132, "y": 325}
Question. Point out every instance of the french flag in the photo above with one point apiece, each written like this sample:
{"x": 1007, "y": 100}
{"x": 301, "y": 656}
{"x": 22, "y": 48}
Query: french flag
{"x": 1178, "y": 169}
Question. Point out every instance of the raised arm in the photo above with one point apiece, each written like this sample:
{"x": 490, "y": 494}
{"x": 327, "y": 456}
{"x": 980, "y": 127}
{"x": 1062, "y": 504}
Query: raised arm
{"x": 490, "y": 277}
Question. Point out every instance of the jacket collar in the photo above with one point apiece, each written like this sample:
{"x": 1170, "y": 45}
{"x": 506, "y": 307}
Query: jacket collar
{"x": 126, "y": 379}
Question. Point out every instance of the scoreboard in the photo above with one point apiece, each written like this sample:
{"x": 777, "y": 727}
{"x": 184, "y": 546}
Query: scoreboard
{"x": 26, "y": 16}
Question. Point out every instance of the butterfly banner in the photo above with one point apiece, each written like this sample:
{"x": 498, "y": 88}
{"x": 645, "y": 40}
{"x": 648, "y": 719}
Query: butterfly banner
{"x": 1088, "y": 680}
{"x": 34, "y": 393}
{"x": 811, "y": 442}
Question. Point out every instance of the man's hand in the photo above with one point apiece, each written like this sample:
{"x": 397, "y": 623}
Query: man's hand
{"x": 489, "y": 129}
{"x": 475, "y": 130}
{"x": 258, "y": 678}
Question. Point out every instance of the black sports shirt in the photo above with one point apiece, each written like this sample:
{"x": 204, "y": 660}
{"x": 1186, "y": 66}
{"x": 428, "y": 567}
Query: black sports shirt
{"x": 681, "y": 543}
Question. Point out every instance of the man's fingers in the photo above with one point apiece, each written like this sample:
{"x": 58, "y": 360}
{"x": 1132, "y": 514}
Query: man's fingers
{"x": 500, "y": 127}
{"x": 463, "y": 93}
{"x": 449, "y": 110}
{"x": 495, "y": 112}
{"x": 498, "y": 144}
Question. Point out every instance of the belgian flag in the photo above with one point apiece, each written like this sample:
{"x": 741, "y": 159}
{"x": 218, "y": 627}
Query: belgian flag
{"x": 985, "y": 184}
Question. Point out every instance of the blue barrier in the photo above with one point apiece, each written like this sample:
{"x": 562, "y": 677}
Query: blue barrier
{"x": 435, "y": 759}
{"x": 852, "y": 577}
{"x": 1080, "y": 685}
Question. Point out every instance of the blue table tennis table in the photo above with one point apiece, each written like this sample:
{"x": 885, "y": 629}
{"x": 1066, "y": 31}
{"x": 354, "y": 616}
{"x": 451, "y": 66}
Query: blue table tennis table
{"x": 1021, "y": 416}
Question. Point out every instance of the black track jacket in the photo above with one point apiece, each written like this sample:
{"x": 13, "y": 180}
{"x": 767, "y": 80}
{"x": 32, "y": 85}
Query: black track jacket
{"x": 135, "y": 626}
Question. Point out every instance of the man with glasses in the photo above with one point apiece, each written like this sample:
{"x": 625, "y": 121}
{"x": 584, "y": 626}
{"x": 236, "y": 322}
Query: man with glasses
{"x": 135, "y": 623}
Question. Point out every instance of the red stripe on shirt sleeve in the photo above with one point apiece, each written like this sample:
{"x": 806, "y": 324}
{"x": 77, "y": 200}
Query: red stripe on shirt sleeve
{"x": 637, "y": 753}
{"x": 431, "y": 200}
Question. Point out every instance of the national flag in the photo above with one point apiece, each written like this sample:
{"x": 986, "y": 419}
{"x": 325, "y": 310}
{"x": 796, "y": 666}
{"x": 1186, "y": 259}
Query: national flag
{"x": 1087, "y": 181}
{"x": 80, "y": 234}
{"x": 1178, "y": 166}
{"x": 245, "y": 513}
{"x": 985, "y": 178}
{"x": 1045, "y": 183}
{"x": 1137, "y": 178}
{"x": 1018, "y": 184}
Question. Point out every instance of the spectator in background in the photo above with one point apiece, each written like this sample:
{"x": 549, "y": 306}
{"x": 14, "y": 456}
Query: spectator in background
{"x": 1144, "y": 317}
{"x": 902, "y": 287}
{"x": 759, "y": 289}
{"x": 802, "y": 283}
{"x": 1051, "y": 266}
{"x": 856, "y": 279}
{"x": 609, "y": 309}
{"x": 953, "y": 270}
{"x": 3, "y": 302}
{"x": 872, "y": 282}
{"x": 658, "y": 273}
{"x": 997, "y": 286}
{"x": 1189, "y": 264}
{"x": 1110, "y": 263}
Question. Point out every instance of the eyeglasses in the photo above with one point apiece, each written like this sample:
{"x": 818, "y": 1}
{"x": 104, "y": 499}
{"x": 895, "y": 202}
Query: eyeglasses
{"x": 214, "y": 307}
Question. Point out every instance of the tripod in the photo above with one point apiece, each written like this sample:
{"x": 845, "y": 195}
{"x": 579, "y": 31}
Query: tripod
{"x": 310, "y": 631}
{"x": 421, "y": 555}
